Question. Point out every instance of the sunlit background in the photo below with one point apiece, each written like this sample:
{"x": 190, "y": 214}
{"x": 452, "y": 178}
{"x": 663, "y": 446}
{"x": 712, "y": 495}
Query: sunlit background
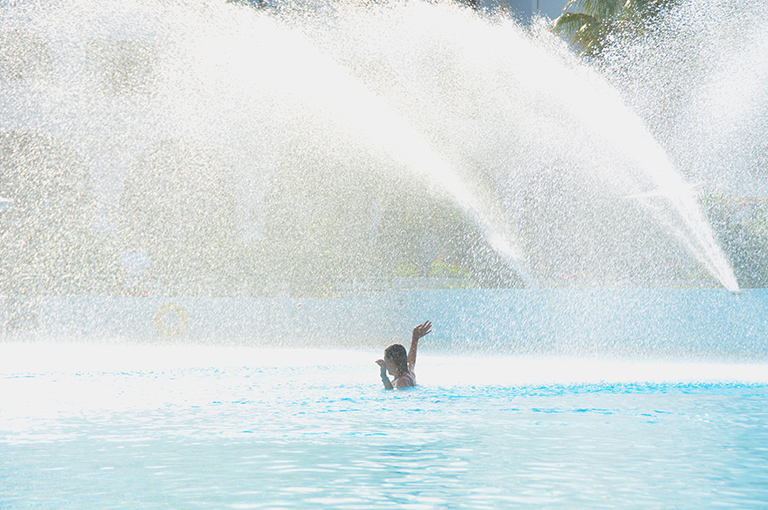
{"x": 214, "y": 216}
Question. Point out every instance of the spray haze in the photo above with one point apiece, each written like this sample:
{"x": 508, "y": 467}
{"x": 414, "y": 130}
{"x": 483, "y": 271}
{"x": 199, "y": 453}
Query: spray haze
{"x": 245, "y": 148}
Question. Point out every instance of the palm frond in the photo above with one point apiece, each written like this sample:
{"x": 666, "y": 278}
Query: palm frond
{"x": 589, "y": 25}
{"x": 597, "y": 8}
{"x": 571, "y": 23}
{"x": 586, "y": 33}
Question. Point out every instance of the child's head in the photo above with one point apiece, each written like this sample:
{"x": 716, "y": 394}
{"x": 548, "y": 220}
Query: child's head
{"x": 397, "y": 355}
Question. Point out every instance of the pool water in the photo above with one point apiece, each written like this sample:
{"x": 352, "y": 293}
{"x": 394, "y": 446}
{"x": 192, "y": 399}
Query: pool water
{"x": 118, "y": 426}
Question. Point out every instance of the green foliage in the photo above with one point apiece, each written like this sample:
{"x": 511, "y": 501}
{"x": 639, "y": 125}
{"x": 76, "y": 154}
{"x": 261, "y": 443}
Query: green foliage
{"x": 741, "y": 228}
{"x": 177, "y": 205}
{"x": 45, "y": 230}
{"x": 592, "y": 25}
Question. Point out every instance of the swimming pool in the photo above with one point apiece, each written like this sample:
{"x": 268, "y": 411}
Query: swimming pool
{"x": 128, "y": 426}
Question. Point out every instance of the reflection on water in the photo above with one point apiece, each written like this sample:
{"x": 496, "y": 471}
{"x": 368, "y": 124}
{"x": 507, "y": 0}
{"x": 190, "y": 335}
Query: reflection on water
{"x": 255, "y": 428}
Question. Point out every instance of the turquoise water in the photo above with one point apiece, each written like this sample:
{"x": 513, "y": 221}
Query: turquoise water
{"x": 118, "y": 426}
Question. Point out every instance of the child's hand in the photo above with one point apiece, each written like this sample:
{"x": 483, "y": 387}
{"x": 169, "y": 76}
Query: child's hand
{"x": 380, "y": 362}
{"x": 422, "y": 330}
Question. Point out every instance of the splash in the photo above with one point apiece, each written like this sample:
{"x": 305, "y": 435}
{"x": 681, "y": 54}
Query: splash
{"x": 700, "y": 88}
{"x": 244, "y": 148}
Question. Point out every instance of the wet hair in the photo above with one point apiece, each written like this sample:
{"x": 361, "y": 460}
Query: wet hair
{"x": 397, "y": 354}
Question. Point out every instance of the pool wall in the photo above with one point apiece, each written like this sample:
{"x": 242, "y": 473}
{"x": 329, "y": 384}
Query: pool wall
{"x": 623, "y": 322}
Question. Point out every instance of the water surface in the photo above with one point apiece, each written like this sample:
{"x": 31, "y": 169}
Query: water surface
{"x": 88, "y": 426}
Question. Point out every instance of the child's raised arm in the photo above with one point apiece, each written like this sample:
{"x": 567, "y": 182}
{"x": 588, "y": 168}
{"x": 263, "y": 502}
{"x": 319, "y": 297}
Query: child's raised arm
{"x": 418, "y": 332}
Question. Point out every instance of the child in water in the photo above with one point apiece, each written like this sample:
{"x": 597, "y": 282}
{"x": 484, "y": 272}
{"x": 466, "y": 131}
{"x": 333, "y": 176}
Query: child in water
{"x": 398, "y": 364}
